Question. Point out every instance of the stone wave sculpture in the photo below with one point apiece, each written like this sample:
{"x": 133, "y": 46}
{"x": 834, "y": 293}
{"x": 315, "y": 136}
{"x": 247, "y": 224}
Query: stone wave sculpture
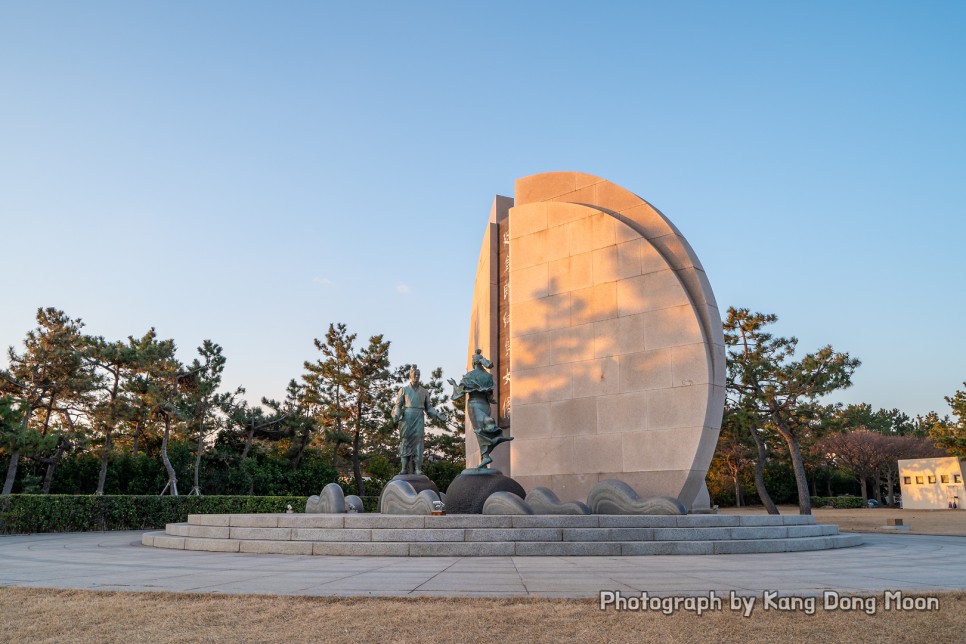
{"x": 331, "y": 500}
{"x": 353, "y": 503}
{"x": 399, "y": 497}
{"x": 543, "y": 501}
{"x": 617, "y": 497}
{"x": 506, "y": 503}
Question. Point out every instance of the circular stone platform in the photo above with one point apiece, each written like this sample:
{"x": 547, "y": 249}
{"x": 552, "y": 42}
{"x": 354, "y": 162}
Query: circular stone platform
{"x": 498, "y": 535}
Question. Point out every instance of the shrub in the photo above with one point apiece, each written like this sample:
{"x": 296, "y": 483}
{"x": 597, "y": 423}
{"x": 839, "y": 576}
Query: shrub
{"x": 838, "y": 502}
{"x": 442, "y": 472}
{"x": 263, "y": 472}
{"x": 29, "y": 513}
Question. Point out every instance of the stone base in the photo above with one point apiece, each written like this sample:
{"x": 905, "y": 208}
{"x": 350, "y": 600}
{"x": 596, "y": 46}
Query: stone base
{"x": 499, "y": 535}
{"x": 469, "y": 491}
{"x": 419, "y": 482}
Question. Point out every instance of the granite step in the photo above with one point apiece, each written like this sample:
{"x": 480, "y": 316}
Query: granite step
{"x": 489, "y": 534}
{"x": 503, "y": 548}
{"x": 498, "y": 535}
{"x": 377, "y": 521}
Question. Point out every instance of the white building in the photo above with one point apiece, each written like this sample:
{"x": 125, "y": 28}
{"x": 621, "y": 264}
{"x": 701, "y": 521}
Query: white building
{"x": 931, "y": 483}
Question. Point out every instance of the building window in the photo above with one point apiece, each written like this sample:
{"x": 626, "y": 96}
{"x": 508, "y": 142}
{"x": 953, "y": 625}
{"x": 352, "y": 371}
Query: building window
{"x": 944, "y": 478}
{"x": 907, "y": 480}
{"x": 918, "y": 480}
{"x": 932, "y": 479}
{"x": 957, "y": 478}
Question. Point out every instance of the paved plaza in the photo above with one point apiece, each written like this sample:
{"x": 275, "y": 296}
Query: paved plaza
{"x": 118, "y": 561}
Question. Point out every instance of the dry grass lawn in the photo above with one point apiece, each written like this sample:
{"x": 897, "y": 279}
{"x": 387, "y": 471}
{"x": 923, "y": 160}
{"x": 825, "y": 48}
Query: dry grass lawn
{"x": 40, "y": 615}
{"x": 942, "y": 522}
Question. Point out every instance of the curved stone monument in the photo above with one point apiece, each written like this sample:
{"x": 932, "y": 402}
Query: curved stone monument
{"x": 606, "y": 338}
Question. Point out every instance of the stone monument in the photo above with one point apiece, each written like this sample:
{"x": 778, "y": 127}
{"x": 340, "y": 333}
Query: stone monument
{"x": 606, "y": 340}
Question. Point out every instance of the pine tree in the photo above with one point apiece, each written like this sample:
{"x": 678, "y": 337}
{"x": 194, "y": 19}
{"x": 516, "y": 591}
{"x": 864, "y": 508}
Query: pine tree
{"x": 113, "y": 364}
{"x": 203, "y": 400}
{"x": 781, "y": 390}
{"x": 449, "y": 443}
{"x": 17, "y": 438}
{"x": 732, "y": 454}
{"x": 947, "y": 434}
{"x": 295, "y": 420}
{"x": 159, "y": 381}
{"x": 45, "y": 381}
{"x": 350, "y": 388}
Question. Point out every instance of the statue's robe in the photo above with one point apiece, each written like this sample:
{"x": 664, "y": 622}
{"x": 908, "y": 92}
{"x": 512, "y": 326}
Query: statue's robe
{"x": 479, "y": 385}
{"x": 411, "y": 404}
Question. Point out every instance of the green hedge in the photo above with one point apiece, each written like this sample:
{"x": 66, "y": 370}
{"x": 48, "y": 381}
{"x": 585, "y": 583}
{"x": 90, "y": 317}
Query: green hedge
{"x": 29, "y": 513}
{"x": 838, "y": 502}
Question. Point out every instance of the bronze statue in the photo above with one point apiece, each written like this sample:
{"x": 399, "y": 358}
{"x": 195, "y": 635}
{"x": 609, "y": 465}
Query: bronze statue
{"x": 479, "y": 385}
{"x": 412, "y": 402}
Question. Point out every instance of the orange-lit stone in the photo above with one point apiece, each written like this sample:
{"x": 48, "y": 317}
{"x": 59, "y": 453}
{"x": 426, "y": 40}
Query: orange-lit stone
{"x": 616, "y": 351}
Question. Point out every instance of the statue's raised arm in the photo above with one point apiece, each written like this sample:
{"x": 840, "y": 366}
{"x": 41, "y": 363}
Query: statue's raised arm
{"x": 458, "y": 391}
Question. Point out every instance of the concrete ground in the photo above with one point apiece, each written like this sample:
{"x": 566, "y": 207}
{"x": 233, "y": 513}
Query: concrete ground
{"x": 937, "y": 522}
{"x": 118, "y": 561}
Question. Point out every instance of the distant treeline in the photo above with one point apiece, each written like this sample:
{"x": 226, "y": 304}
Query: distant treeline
{"x": 80, "y": 414}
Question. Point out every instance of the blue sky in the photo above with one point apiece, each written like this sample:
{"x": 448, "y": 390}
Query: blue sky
{"x": 250, "y": 172}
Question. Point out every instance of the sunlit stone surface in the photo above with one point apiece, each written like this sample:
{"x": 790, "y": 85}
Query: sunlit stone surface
{"x": 612, "y": 337}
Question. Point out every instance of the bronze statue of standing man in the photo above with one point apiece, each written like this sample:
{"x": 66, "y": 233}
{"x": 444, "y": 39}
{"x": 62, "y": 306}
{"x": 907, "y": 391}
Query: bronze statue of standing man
{"x": 412, "y": 402}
